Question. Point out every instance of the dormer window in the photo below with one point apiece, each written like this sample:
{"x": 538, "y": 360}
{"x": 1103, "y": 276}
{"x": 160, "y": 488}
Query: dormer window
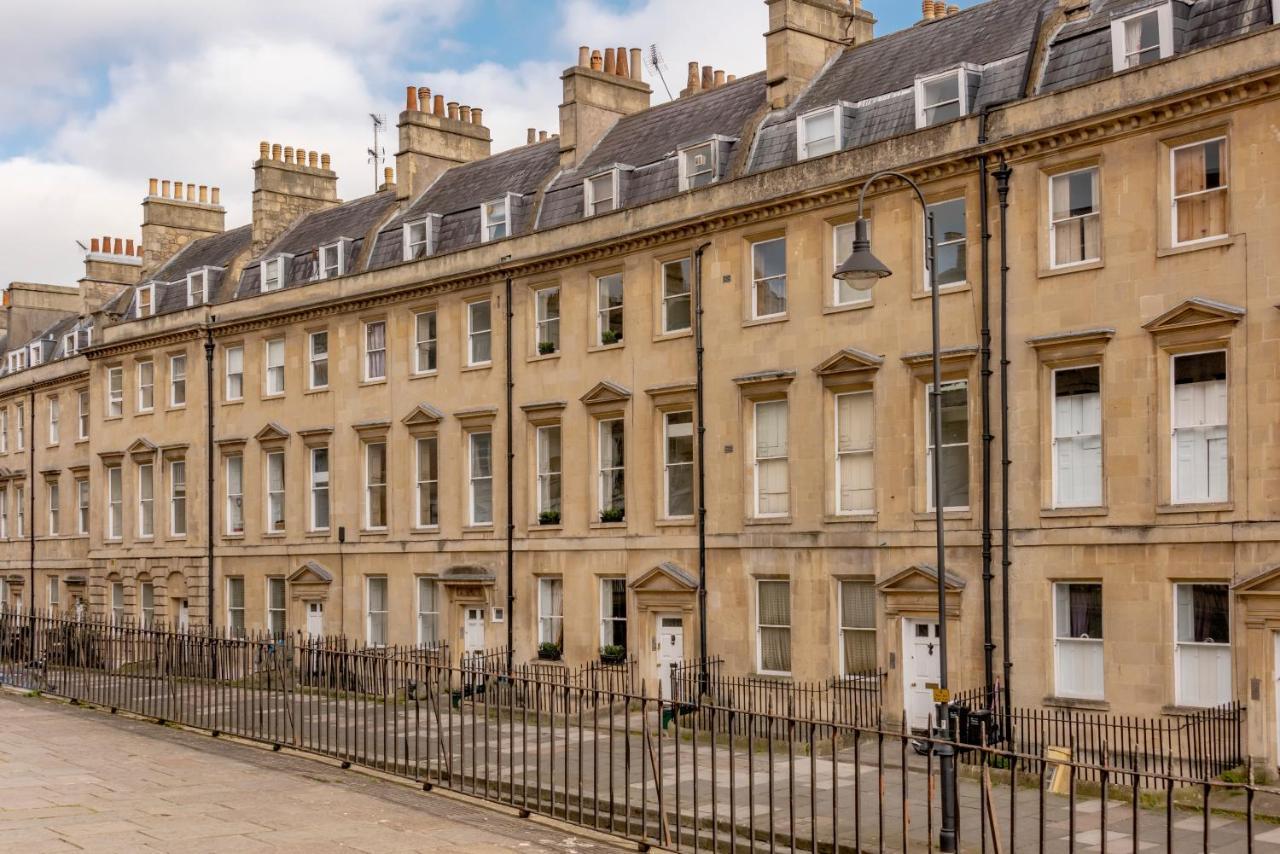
{"x": 943, "y": 97}
{"x": 273, "y": 274}
{"x": 1142, "y": 38}
{"x": 333, "y": 260}
{"x": 819, "y": 133}
{"x": 37, "y": 353}
{"x": 146, "y": 300}
{"x": 197, "y": 287}
{"x": 601, "y": 193}
{"x": 18, "y": 360}
{"x": 74, "y": 342}
{"x": 699, "y": 166}
{"x": 493, "y": 219}
{"x": 417, "y": 240}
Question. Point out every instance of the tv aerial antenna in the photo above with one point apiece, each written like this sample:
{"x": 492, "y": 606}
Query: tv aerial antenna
{"x": 654, "y": 62}
{"x": 377, "y": 154}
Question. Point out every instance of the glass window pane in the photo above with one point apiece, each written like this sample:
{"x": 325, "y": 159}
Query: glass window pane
{"x": 769, "y": 258}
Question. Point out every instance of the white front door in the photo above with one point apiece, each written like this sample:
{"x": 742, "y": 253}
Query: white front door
{"x": 473, "y": 631}
{"x": 920, "y": 670}
{"x": 670, "y": 649}
{"x": 315, "y": 619}
{"x": 184, "y": 616}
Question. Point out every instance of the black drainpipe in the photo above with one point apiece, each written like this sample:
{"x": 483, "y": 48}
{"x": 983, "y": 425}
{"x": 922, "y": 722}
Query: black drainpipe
{"x": 988, "y": 640}
{"x": 1002, "y": 176}
{"x": 31, "y": 498}
{"x": 209, "y": 489}
{"x": 511, "y": 464}
{"x": 702, "y": 469}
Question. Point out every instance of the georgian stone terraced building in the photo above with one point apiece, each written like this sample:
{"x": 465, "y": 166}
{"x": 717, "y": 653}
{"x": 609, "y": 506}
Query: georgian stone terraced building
{"x": 503, "y": 343}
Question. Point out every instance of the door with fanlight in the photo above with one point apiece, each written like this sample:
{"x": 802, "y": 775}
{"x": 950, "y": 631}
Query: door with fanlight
{"x": 315, "y": 619}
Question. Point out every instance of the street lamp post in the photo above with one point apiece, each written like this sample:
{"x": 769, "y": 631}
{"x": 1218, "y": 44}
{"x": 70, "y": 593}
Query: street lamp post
{"x": 862, "y": 270}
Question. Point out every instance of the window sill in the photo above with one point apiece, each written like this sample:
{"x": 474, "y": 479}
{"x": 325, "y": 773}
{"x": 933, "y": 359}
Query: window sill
{"x": 476, "y": 530}
{"x": 767, "y": 520}
{"x": 178, "y": 408}
{"x": 544, "y": 357}
{"x": 1077, "y": 703}
{"x": 1067, "y": 269}
{"x": 601, "y": 348}
{"x": 1208, "y": 507}
{"x": 317, "y": 535}
{"x": 275, "y": 535}
{"x": 276, "y": 396}
{"x": 233, "y": 537}
{"x": 765, "y": 321}
{"x": 319, "y": 390}
{"x": 1183, "y": 248}
{"x": 676, "y": 335}
{"x": 373, "y": 532}
{"x": 608, "y": 526}
{"x": 676, "y": 522}
{"x": 535, "y": 527}
{"x": 1071, "y": 512}
{"x": 364, "y": 383}
{"x": 83, "y": 441}
{"x": 773, "y": 676}
{"x": 425, "y": 530}
{"x": 853, "y": 306}
{"x": 964, "y": 514}
{"x": 851, "y": 518}
{"x": 943, "y": 290}
{"x": 141, "y": 412}
{"x": 236, "y": 402}
{"x": 176, "y": 538}
{"x": 1175, "y": 711}
{"x": 482, "y": 366}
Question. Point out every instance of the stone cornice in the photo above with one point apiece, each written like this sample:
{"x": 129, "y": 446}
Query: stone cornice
{"x": 133, "y": 345}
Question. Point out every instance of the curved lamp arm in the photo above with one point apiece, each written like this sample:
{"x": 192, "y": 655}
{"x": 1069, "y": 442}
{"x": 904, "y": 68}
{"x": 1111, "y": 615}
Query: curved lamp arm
{"x": 888, "y": 173}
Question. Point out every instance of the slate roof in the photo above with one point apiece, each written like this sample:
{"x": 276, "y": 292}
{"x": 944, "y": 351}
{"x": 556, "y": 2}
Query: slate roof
{"x": 878, "y": 77}
{"x": 649, "y": 142}
{"x": 219, "y": 250}
{"x": 53, "y": 333}
{"x": 456, "y": 196}
{"x": 1080, "y": 52}
{"x": 352, "y": 220}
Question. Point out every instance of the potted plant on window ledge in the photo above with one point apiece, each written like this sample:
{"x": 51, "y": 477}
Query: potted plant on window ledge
{"x": 548, "y": 651}
{"x": 613, "y": 654}
{"x": 610, "y": 336}
{"x": 549, "y": 517}
{"x": 546, "y": 348}
{"x": 613, "y": 514}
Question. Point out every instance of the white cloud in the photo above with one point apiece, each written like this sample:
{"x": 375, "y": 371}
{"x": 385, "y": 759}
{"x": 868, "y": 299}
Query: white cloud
{"x": 513, "y": 99}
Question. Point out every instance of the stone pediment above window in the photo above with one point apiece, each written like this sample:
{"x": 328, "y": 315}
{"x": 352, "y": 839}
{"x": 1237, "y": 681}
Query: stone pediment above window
{"x": 849, "y": 365}
{"x": 141, "y": 448}
{"x": 1266, "y": 581}
{"x": 422, "y": 416}
{"x": 1077, "y": 344}
{"x": 316, "y": 436}
{"x": 477, "y": 416}
{"x": 605, "y": 393}
{"x": 311, "y": 573}
{"x": 368, "y": 430}
{"x": 1198, "y": 313}
{"x": 914, "y": 590}
{"x": 955, "y": 360}
{"x": 665, "y": 577}
{"x": 921, "y": 576}
{"x": 272, "y": 432}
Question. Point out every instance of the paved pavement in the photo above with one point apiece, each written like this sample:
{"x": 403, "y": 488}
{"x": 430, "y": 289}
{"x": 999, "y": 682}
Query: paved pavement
{"x": 75, "y": 779}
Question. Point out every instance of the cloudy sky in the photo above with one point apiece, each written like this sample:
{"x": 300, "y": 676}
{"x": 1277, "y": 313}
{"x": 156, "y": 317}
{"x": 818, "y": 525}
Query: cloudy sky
{"x": 99, "y": 97}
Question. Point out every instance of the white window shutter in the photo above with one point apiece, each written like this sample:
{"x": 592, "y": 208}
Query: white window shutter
{"x": 1090, "y": 468}
{"x": 1217, "y": 464}
{"x": 1215, "y": 404}
{"x": 1190, "y": 454}
{"x": 1117, "y": 45}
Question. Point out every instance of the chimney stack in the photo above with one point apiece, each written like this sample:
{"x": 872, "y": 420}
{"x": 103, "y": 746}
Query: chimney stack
{"x": 170, "y": 221}
{"x": 803, "y": 35}
{"x": 286, "y": 188}
{"x": 435, "y": 136}
{"x": 598, "y": 91}
{"x": 110, "y": 265}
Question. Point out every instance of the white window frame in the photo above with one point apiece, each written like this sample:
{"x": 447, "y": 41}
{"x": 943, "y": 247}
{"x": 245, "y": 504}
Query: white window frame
{"x": 201, "y": 276}
{"x": 55, "y": 419}
{"x": 760, "y": 669}
{"x": 236, "y": 612}
{"x": 839, "y": 455}
{"x": 668, "y": 465}
{"x": 20, "y": 509}
{"x": 53, "y": 494}
{"x": 115, "y": 502}
{"x": 82, "y": 420}
{"x": 20, "y": 410}
{"x": 319, "y": 484}
{"x": 928, "y": 445}
{"x": 370, "y": 613}
{"x": 687, "y": 170}
{"x": 1059, "y": 639}
{"x": 322, "y": 262}
{"x": 606, "y": 473}
{"x": 756, "y": 459}
{"x": 17, "y": 360}
{"x": 274, "y": 614}
{"x": 604, "y": 312}
{"x": 841, "y": 247}
{"x": 316, "y": 360}
{"x": 4, "y": 430}
{"x": 1174, "y": 485}
{"x": 429, "y": 445}
{"x": 473, "y": 479}
{"x": 550, "y": 625}
{"x": 237, "y": 375}
{"x": 273, "y": 375}
{"x": 1096, "y": 213}
{"x": 474, "y": 335}
{"x": 265, "y": 277}
{"x": 1191, "y": 647}
{"x": 686, "y": 295}
{"x": 546, "y": 329}
{"x": 836, "y": 111}
{"x": 940, "y": 242}
{"x": 606, "y": 604}
{"x": 146, "y": 376}
{"x": 1119, "y": 32}
{"x": 426, "y": 352}
{"x": 147, "y": 603}
{"x": 117, "y": 602}
{"x": 115, "y": 391}
{"x": 82, "y": 507}
{"x": 4, "y": 513}
{"x": 371, "y": 488}
{"x": 367, "y": 352}
{"x": 546, "y": 476}
{"x": 276, "y": 498}
{"x": 408, "y": 242}
{"x": 758, "y": 281}
{"x": 962, "y": 85}
{"x": 589, "y": 200}
{"x": 54, "y": 592}
{"x": 146, "y": 302}
{"x": 177, "y": 498}
{"x": 177, "y": 380}
{"x": 488, "y": 225}
{"x": 233, "y": 504}
{"x": 428, "y": 612}
{"x": 1224, "y": 189}
{"x": 1055, "y": 438}
{"x": 146, "y": 501}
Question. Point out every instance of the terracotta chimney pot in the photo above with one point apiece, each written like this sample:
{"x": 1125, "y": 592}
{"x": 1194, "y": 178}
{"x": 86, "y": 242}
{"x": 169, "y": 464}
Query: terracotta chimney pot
{"x": 731, "y": 78}
{"x": 438, "y": 106}
{"x": 694, "y": 83}
{"x": 708, "y": 77}
{"x": 301, "y": 154}
{"x": 204, "y": 194}
{"x": 584, "y": 57}
{"x": 719, "y": 78}
{"x": 411, "y": 98}
{"x": 597, "y": 62}
{"x": 637, "y": 64}
{"x": 324, "y": 162}
{"x": 533, "y": 136}
{"x": 106, "y": 244}
{"x": 464, "y": 114}
{"x": 926, "y": 10}
{"x": 128, "y": 247}
{"x": 453, "y": 110}
{"x": 313, "y": 159}
{"x": 95, "y": 245}
{"x": 275, "y": 151}
{"x": 610, "y": 61}
{"x": 542, "y": 136}
{"x": 623, "y": 69}
{"x": 387, "y": 175}
{"x": 152, "y": 186}
{"x": 424, "y": 98}
{"x": 288, "y": 154}
{"x": 177, "y": 190}
{"x": 951, "y": 10}
{"x": 477, "y": 116}
{"x": 191, "y": 192}
{"x": 164, "y": 189}
{"x": 214, "y": 196}
{"x": 119, "y": 247}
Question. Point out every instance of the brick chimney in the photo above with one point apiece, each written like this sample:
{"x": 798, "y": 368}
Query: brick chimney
{"x": 173, "y": 215}
{"x": 434, "y": 137}
{"x": 803, "y": 35}
{"x": 598, "y": 91}
{"x": 288, "y": 183}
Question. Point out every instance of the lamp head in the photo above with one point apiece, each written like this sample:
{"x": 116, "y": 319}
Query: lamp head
{"x": 862, "y": 269}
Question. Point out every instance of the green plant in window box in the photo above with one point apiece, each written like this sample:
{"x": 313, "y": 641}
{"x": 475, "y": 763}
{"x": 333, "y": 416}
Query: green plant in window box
{"x": 548, "y": 651}
{"x": 546, "y": 348}
{"x": 549, "y": 517}
{"x": 610, "y": 336}
{"x": 613, "y": 654}
{"x": 613, "y": 514}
